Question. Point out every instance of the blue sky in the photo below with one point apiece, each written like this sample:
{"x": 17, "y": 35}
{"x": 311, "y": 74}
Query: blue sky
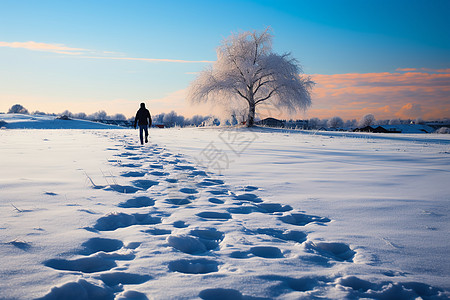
{"x": 69, "y": 65}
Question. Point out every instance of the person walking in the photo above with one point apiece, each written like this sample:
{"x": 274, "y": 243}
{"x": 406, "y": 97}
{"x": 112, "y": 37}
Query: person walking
{"x": 144, "y": 120}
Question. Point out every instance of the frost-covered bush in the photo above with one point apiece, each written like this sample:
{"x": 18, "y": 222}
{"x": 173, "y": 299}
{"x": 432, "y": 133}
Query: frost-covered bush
{"x": 18, "y": 109}
{"x": 443, "y": 130}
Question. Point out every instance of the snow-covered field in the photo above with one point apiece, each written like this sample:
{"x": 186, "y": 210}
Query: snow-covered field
{"x": 222, "y": 214}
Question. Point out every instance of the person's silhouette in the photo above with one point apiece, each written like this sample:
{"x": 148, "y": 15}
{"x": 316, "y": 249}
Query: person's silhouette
{"x": 144, "y": 120}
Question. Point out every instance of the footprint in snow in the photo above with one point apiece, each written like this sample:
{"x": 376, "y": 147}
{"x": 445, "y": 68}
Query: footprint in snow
{"x": 214, "y": 215}
{"x": 22, "y": 245}
{"x": 129, "y": 165}
{"x": 98, "y": 244}
{"x": 133, "y": 174}
{"x": 141, "y": 201}
{"x": 249, "y": 188}
{"x": 112, "y": 279}
{"x": 266, "y": 252}
{"x": 189, "y": 191}
{"x": 50, "y": 194}
{"x": 178, "y": 201}
{"x": 216, "y": 201}
{"x": 89, "y": 264}
{"x": 121, "y": 220}
{"x": 223, "y": 294}
{"x": 302, "y": 284}
{"x": 273, "y": 207}
{"x": 210, "y": 182}
{"x": 260, "y": 251}
{"x": 195, "y": 266}
{"x": 248, "y": 197}
{"x": 144, "y": 184}
{"x": 186, "y": 244}
{"x": 126, "y": 154}
{"x": 158, "y": 173}
{"x": 336, "y": 251}
{"x": 288, "y": 235}
{"x": 243, "y": 210}
{"x": 218, "y": 192}
{"x": 124, "y": 189}
{"x": 155, "y": 166}
{"x": 184, "y": 167}
{"x": 197, "y": 242}
{"x": 157, "y": 231}
{"x": 300, "y": 219}
{"x": 180, "y": 224}
{"x": 198, "y": 173}
{"x": 135, "y": 157}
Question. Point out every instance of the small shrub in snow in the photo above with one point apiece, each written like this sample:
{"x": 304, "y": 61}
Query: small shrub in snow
{"x": 442, "y": 130}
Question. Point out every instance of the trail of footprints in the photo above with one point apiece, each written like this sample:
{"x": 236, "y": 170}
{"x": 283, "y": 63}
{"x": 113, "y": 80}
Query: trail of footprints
{"x": 171, "y": 194}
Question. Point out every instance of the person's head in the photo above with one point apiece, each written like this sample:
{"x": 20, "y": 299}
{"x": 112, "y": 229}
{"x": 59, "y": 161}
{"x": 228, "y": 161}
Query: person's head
{"x": 142, "y": 105}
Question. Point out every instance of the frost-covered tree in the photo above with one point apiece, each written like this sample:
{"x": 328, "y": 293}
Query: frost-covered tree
{"x": 80, "y": 115}
{"x": 67, "y": 113}
{"x": 100, "y": 115}
{"x": 18, "y": 109}
{"x": 173, "y": 119}
{"x": 247, "y": 70}
{"x": 335, "y": 122}
{"x": 196, "y": 120}
{"x": 37, "y": 112}
{"x": 350, "y": 123}
{"x": 395, "y": 122}
{"x": 314, "y": 123}
{"x": 118, "y": 117}
{"x": 367, "y": 120}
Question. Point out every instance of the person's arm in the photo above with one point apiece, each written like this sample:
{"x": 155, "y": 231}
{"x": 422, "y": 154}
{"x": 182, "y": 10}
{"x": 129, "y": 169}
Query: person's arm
{"x": 136, "y": 119}
{"x": 149, "y": 120}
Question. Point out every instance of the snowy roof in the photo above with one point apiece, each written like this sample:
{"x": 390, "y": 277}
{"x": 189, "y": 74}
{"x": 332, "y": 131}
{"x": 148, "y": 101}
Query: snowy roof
{"x": 409, "y": 128}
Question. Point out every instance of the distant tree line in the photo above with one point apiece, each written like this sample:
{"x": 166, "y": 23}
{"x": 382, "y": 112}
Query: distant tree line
{"x": 172, "y": 119}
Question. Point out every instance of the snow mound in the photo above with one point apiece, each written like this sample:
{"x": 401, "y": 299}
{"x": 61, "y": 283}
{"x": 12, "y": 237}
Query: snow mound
{"x": 80, "y": 290}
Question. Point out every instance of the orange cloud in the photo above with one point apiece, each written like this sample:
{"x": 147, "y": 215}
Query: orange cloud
{"x": 409, "y": 94}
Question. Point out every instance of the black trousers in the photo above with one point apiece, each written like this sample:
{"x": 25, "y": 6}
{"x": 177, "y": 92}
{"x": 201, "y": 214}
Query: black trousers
{"x": 142, "y": 129}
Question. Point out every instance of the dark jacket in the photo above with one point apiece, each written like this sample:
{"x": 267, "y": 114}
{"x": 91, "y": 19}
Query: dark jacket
{"x": 143, "y": 117}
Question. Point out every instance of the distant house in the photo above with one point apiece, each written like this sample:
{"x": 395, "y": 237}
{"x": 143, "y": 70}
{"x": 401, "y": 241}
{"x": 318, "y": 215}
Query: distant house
{"x": 271, "y": 122}
{"x": 63, "y": 117}
{"x": 409, "y": 128}
{"x": 401, "y": 128}
{"x": 297, "y": 124}
{"x": 364, "y": 129}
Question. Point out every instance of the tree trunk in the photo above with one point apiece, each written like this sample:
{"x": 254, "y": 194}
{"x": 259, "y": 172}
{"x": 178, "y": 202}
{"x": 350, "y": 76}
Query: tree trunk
{"x": 251, "y": 115}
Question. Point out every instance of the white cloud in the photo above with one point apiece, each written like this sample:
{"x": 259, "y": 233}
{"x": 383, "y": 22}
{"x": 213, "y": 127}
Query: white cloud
{"x": 35, "y": 46}
{"x": 86, "y": 53}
